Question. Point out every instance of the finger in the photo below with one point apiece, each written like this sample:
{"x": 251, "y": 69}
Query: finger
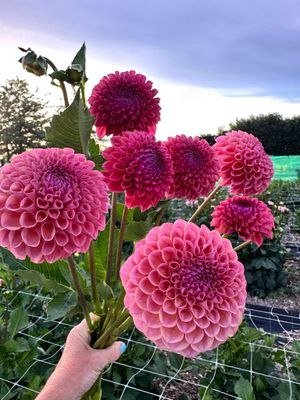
{"x": 109, "y": 355}
{"x": 82, "y": 329}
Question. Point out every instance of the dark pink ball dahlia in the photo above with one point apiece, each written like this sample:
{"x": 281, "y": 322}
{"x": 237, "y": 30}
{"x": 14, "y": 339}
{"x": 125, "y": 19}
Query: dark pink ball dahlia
{"x": 52, "y": 204}
{"x": 124, "y": 101}
{"x": 245, "y": 166}
{"x": 249, "y": 217}
{"x": 196, "y": 167}
{"x": 185, "y": 288}
{"x": 140, "y": 166}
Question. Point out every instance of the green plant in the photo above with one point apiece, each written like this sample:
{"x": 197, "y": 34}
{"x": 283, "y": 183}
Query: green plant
{"x": 249, "y": 368}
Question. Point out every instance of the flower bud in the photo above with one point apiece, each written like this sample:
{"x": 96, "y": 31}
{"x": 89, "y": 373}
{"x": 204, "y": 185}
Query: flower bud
{"x": 75, "y": 73}
{"x": 34, "y": 64}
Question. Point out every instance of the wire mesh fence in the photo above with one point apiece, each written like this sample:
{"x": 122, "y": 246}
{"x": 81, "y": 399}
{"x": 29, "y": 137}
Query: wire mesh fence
{"x": 145, "y": 372}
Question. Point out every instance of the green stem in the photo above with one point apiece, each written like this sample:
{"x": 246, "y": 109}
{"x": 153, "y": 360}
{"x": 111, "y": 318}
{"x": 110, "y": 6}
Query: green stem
{"x": 93, "y": 275}
{"x": 80, "y": 293}
{"x": 101, "y": 341}
{"x": 121, "y": 239}
{"x": 111, "y": 238}
{"x": 159, "y": 216}
{"x": 61, "y": 83}
{"x": 242, "y": 245}
{"x": 204, "y": 204}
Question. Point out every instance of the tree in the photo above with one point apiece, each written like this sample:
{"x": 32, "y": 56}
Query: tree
{"x": 22, "y": 119}
{"x": 279, "y": 136}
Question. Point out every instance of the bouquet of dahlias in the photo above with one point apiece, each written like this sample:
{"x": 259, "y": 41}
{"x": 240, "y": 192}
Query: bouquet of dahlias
{"x": 183, "y": 286}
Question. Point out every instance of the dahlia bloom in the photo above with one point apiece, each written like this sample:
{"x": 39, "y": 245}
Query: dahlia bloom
{"x": 185, "y": 288}
{"x": 196, "y": 167}
{"x": 245, "y": 166}
{"x": 52, "y": 204}
{"x": 249, "y": 217}
{"x": 140, "y": 166}
{"x": 124, "y": 101}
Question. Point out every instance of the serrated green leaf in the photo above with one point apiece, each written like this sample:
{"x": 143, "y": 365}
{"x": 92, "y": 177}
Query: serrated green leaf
{"x": 18, "y": 320}
{"x": 38, "y": 278}
{"x": 72, "y": 127}
{"x": 60, "y": 305}
{"x": 244, "y": 389}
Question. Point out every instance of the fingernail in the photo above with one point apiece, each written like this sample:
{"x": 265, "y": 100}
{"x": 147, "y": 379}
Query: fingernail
{"x": 123, "y": 348}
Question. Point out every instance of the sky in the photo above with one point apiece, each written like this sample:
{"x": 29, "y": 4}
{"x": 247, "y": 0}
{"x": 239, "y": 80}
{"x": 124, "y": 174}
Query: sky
{"x": 211, "y": 61}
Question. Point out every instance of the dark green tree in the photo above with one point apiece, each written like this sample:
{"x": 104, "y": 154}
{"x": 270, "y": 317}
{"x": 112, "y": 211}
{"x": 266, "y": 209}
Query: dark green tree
{"x": 279, "y": 136}
{"x": 22, "y": 119}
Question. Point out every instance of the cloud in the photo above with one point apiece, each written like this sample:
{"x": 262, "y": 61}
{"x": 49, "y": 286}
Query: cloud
{"x": 228, "y": 45}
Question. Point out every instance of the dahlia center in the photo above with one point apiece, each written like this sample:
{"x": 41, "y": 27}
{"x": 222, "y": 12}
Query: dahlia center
{"x": 243, "y": 206}
{"x": 58, "y": 177}
{"x": 150, "y": 163}
{"x": 193, "y": 158}
{"x": 194, "y": 277}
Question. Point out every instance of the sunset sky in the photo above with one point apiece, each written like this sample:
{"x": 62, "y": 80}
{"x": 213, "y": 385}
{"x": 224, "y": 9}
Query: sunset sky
{"x": 212, "y": 61}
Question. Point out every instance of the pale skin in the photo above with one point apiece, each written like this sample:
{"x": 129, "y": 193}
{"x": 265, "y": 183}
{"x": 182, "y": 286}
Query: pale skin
{"x": 79, "y": 366}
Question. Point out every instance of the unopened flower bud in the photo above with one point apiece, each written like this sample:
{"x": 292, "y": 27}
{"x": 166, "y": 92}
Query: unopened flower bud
{"x": 75, "y": 73}
{"x": 34, "y": 64}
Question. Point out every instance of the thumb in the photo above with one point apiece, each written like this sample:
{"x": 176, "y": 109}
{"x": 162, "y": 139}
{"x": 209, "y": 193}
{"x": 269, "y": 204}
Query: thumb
{"x": 110, "y": 354}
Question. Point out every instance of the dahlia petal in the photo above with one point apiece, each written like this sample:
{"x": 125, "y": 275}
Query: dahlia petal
{"x": 27, "y": 220}
{"x": 10, "y": 220}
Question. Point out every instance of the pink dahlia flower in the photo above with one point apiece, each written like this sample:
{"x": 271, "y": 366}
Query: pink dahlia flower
{"x": 249, "y": 217}
{"x": 196, "y": 167}
{"x": 185, "y": 288}
{"x": 140, "y": 166}
{"x": 245, "y": 166}
{"x": 52, "y": 204}
{"x": 124, "y": 101}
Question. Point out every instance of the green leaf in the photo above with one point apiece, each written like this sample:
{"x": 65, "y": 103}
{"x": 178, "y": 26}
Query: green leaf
{"x": 61, "y": 304}
{"x": 120, "y": 208}
{"x": 95, "y": 155}
{"x": 18, "y": 320}
{"x": 176, "y": 360}
{"x": 284, "y": 391}
{"x": 17, "y": 346}
{"x": 137, "y": 230}
{"x": 39, "y": 279}
{"x": 72, "y": 127}
{"x": 244, "y": 389}
{"x": 80, "y": 59}
{"x": 86, "y": 122}
{"x": 105, "y": 291}
{"x": 60, "y": 76}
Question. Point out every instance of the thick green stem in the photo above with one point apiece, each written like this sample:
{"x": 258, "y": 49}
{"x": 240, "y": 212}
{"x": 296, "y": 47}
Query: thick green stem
{"x": 80, "y": 293}
{"x": 204, "y": 204}
{"x": 101, "y": 341}
{"x": 93, "y": 275}
{"x": 242, "y": 245}
{"x": 121, "y": 239}
{"x": 111, "y": 238}
{"x": 61, "y": 83}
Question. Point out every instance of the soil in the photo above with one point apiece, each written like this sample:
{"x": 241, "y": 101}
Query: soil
{"x": 180, "y": 391}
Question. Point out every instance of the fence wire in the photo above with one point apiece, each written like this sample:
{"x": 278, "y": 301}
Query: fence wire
{"x": 51, "y": 350}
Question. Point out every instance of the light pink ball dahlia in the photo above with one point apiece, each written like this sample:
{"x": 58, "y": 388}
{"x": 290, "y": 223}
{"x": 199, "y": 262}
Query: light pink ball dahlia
{"x": 245, "y": 166}
{"x": 124, "y": 101}
{"x": 52, "y": 204}
{"x": 140, "y": 166}
{"x": 249, "y": 217}
{"x": 185, "y": 288}
{"x": 196, "y": 167}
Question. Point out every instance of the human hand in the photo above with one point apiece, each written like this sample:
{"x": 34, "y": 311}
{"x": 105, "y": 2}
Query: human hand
{"x": 79, "y": 366}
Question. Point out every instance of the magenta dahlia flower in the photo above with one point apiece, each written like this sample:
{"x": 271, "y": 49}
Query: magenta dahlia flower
{"x": 249, "y": 217}
{"x": 52, "y": 204}
{"x": 196, "y": 167}
{"x": 185, "y": 288}
{"x": 245, "y": 166}
{"x": 124, "y": 101}
{"x": 140, "y": 166}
